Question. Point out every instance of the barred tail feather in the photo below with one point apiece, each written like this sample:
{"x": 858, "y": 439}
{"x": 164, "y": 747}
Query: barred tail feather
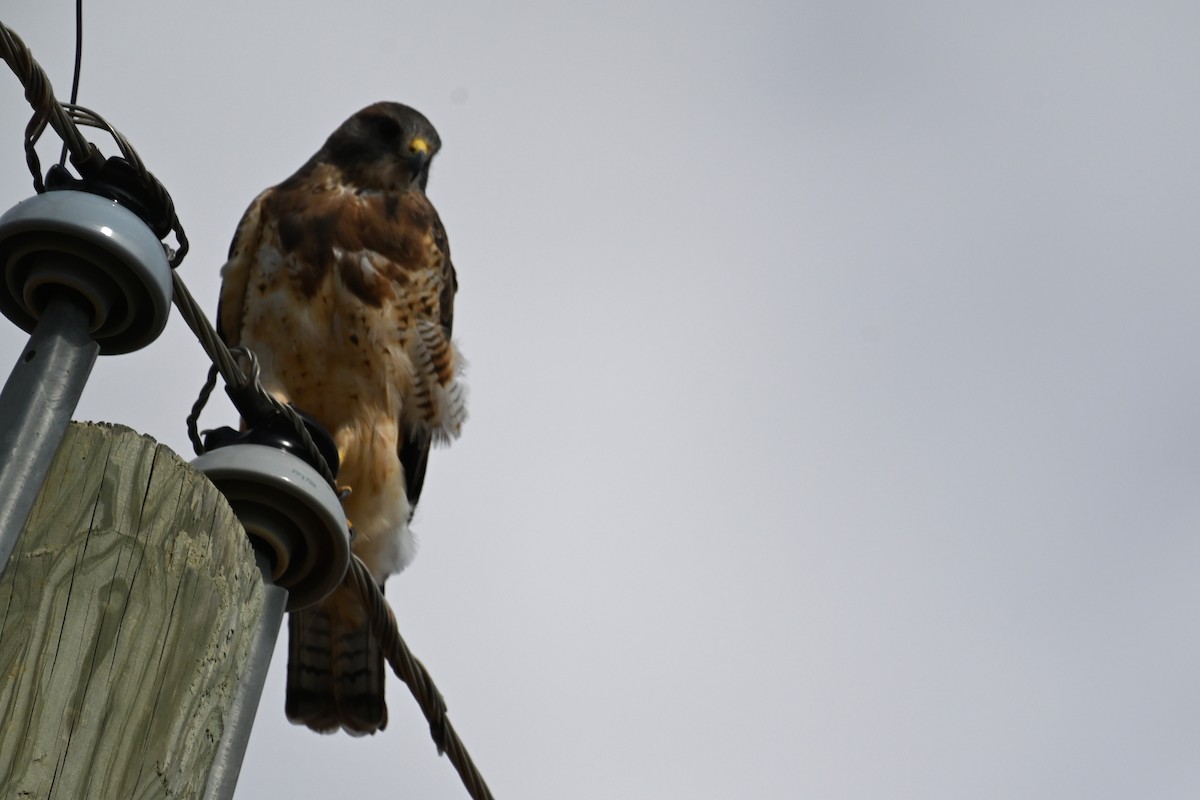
{"x": 335, "y": 675}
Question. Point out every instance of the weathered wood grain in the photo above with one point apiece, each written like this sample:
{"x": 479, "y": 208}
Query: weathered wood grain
{"x": 126, "y": 614}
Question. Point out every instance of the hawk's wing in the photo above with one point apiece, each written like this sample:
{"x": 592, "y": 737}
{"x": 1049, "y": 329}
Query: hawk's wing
{"x": 416, "y": 442}
{"x": 235, "y": 275}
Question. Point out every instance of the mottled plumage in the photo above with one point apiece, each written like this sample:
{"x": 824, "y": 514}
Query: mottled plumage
{"x": 340, "y": 280}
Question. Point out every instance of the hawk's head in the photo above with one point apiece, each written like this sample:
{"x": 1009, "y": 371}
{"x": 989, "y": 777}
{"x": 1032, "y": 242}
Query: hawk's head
{"x": 385, "y": 147}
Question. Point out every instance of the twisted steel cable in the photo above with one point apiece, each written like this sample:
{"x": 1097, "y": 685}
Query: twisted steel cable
{"x": 413, "y": 673}
{"x": 40, "y": 95}
{"x": 65, "y": 120}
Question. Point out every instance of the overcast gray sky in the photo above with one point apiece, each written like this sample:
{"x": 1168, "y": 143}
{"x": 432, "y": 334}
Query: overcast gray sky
{"x": 833, "y": 391}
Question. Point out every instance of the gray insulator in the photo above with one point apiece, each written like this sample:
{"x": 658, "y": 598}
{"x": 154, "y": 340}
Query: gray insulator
{"x": 94, "y": 247}
{"x": 289, "y": 512}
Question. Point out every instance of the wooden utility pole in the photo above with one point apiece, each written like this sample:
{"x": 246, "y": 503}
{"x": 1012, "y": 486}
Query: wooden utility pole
{"x": 126, "y": 617}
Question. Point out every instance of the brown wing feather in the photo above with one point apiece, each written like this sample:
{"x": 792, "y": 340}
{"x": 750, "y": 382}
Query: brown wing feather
{"x": 449, "y": 277}
{"x": 416, "y": 443}
{"x": 235, "y": 275}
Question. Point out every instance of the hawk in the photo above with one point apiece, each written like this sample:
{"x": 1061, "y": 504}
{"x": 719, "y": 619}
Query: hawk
{"x": 340, "y": 281}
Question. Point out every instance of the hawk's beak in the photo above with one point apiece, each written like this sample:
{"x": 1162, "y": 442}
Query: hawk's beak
{"x": 418, "y": 154}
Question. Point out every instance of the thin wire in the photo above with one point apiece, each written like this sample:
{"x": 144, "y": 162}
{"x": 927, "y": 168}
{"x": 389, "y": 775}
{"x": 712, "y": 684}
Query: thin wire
{"x": 62, "y": 158}
{"x": 193, "y": 418}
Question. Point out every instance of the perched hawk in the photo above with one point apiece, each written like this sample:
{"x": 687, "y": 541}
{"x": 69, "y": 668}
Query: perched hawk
{"x": 339, "y": 279}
